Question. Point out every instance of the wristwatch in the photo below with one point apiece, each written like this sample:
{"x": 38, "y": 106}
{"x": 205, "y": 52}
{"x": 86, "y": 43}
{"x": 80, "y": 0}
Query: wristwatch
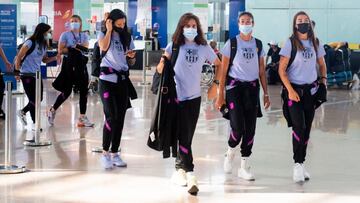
{"x": 216, "y": 82}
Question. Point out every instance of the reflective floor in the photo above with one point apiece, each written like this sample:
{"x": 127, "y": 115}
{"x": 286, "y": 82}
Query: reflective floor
{"x": 68, "y": 171}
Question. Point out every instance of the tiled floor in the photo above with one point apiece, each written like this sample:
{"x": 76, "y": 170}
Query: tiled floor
{"x": 68, "y": 171}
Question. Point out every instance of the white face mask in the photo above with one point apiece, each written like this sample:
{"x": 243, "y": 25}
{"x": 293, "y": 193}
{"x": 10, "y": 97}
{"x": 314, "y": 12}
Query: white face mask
{"x": 47, "y": 36}
{"x": 245, "y": 29}
{"x": 190, "y": 33}
{"x": 75, "y": 25}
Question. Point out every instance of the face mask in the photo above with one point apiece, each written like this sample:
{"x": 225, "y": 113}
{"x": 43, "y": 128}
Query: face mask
{"x": 190, "y": 33}
{"x": 118, "y": 29}
{"x": 47, "y": 36}
{"x": 75, "y": 25}
{"x": 245, "y": 29}
{"x": 303, "y": 27}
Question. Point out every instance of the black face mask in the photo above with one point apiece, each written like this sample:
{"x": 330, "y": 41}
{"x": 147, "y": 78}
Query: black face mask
{"x": 118, "y": 29}
{"x": 303, "y": 27}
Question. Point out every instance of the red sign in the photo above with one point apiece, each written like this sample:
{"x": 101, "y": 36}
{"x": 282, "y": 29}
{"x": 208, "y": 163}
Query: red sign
{"x": 63, "y": 10}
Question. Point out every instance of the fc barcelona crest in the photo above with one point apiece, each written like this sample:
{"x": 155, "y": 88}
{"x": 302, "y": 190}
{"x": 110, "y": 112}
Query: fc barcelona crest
{"x": 248, "y": 53}
{"x": 307, "y": 53}
{"x": 118, "y": 45}
{"x": 191, "y": 55}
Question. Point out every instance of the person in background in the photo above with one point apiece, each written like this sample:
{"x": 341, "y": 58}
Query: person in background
{"x": 272, "y": 68}
{"x": 273, "y": 53}
{"x": 73, "y": 70}
{"x": 154, "y": 36}
{"x": 30, "y": 63}
{"x": 2, "y": 84}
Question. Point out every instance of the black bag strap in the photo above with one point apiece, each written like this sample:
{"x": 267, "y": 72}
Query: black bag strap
{"x": 233, "y": 50}
{"x": 259, "y": 47}
{"x": 32, "y": 47}
{"x": 174, "y": 55}
{"x": 292, "y": 54}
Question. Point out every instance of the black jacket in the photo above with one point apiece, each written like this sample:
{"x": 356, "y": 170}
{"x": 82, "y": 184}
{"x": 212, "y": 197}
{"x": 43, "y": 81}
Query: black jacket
{"x": 162, "y": 135}
{"x": 304, "y": 91}
{"x": 73, "y": 71}
{"x": 245, "y": 88}
{"x": 120, "y": 74}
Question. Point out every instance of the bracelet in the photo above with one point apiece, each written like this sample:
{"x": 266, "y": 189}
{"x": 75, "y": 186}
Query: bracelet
{"x": 216, "y": 82}
{"x": 323, "y": 77}
{"x": 266, "y": 95}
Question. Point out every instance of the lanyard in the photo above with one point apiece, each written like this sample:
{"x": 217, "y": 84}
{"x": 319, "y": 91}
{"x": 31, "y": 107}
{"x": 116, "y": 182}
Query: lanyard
{"x": 76, "y": 40}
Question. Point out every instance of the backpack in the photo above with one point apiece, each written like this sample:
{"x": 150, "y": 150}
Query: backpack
{"x": 28, "y": 52}
{"x": 233, "y": 50}
{"x": 156, "y": 78}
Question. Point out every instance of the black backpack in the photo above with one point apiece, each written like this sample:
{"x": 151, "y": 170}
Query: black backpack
{"x": 31, "y": 49}
{"x": 156, "y": 78}
{"x": 233, "y": 50}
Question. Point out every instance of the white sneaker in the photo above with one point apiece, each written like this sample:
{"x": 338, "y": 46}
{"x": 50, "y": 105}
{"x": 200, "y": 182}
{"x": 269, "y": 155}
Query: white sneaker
{"x": 229, "y": 159}
{"x": 298, "y": 175}
{"x": 117, "y": 161}
{"x": 179, "y": 177}
{"x": 306, "y": 174}
{"x": 51, "y": 116}
{"x": 106, "y": 161}
{"x": 84, "y": 122}
{"x": 244, "y": 170}
{"x": 22, "y": 117}
{"x": 192, "y": 183}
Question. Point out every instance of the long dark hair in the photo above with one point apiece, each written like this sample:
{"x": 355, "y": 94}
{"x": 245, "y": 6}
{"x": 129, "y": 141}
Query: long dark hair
{"x": 125, "y": 36}
{"x": 246, "y": 13}
{"x": 79, "y": 18}
{"x": 39, "y": 32}
{"x": 178, "y": 37}
{"x": 311, "y": 34}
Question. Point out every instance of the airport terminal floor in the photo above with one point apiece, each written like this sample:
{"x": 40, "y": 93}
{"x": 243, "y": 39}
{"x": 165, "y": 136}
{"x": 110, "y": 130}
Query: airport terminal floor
{"x": 68, "y": 170}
